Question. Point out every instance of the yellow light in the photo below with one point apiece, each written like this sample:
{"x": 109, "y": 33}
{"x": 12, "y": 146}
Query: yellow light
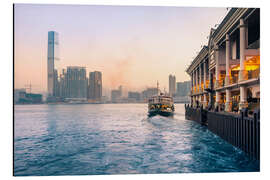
{"x": 236, "y": 68}
{"x": 251, "y": 67}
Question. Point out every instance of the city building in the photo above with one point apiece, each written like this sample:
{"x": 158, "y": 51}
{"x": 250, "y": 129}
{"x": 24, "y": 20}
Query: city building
{"x": 63, "y": 84}
{"x": 75, "y": 83}
{"x": 183, "y": 88}
{"x": 19, "y": 94}
{"x": 225, "y": 75}
{"x": 52, "y": 56}
{"x": 22, "y": 97}
{"x": 172, "y": 84}
{"x": 116, "y": 95}
{"x": 134, "y": 96}
{"x": 149, "y": 92}
{"x": 95, "y": 86}
{"x": 56, "y": 85}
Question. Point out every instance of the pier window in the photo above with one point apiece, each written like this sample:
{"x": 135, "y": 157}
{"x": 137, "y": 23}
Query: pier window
{"x": 254, "y": 30}
{"x": 252, "y": 67}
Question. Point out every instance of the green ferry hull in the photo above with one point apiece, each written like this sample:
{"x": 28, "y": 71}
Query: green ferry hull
{"x": 161, "y": 113}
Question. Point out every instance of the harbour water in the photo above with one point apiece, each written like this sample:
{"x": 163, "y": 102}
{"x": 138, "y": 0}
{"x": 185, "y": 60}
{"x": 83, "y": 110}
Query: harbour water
{"x": 90, "y": 139}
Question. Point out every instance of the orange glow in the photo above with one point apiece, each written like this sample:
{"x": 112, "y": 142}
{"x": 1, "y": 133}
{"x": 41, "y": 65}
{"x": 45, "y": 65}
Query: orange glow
{"x": 235, "y": 67}
{"x": 252, "y": 63}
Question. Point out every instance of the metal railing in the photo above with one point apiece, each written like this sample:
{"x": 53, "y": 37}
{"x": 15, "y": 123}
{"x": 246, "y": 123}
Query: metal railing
{"x": 239, "y": 130}
{"x": 221, "y": 83}
{"x": 253, "y": 74}
{"x": 233, "y": 79}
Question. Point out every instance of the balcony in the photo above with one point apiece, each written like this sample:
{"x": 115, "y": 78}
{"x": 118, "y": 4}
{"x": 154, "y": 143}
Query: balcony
{"x": 220, "y": 83}
{"x": 253, "y": 74}
{"x": 206, "y": 85}
{"x": 234, "y": 79}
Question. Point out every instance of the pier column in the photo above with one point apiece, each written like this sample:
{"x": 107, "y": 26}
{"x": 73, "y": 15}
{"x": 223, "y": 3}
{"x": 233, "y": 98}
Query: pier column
{"x": 228, "y": 104}
{"x": 204, "y": 74}
{"x": 242, "y": 49}
{"x": 243, "y": 98}
{"x": 200, "y": 76}
{"x": 217, "y": 65}
{"x": 218, "y": 96}
{"x": 204, "y": 84}
{"x": 217, "y": 103}
{"x": 210, "y": 94}
{"x": 204, "y": 101}
{"x": 197, "y": 79}
{"x": 227, "y": 77}
{"x": 191, "y": 82}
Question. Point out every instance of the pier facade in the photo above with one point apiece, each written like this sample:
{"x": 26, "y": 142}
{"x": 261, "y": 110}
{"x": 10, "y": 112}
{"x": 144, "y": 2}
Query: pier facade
{"x": 225, "y": 74}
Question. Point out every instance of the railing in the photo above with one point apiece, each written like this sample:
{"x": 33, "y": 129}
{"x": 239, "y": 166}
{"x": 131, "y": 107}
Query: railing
{"x": 233, "y": 79}
{"x": 239, "y": 130}
{"x": 251, "y": 74}
{"x": 242, "y": 132}
{"x": 220, "y": 83}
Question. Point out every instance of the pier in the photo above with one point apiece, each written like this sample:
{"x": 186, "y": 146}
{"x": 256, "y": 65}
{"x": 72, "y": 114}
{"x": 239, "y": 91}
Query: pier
{"x": 240, "y": 130}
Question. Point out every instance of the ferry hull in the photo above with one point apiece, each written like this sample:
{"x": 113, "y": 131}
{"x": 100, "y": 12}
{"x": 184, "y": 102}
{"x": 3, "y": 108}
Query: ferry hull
{"x": 161, "y": 113}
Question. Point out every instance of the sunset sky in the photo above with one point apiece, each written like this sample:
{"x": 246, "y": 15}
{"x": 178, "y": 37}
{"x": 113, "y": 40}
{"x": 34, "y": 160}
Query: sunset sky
{"x": 133, "y": 46}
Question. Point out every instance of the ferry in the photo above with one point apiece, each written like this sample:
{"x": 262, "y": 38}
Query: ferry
{"x": 160, "y": 104}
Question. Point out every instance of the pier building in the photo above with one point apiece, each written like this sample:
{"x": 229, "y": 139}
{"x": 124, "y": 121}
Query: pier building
{"x": 225, "y": 75}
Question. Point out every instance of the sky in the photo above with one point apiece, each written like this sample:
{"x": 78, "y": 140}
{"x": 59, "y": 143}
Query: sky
{"x": 133, "y": 46}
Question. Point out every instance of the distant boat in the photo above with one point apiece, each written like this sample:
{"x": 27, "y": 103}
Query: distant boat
{"x": 160, "y": 104}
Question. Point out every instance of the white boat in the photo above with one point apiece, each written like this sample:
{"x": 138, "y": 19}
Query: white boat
{"x": 160, "y": 104}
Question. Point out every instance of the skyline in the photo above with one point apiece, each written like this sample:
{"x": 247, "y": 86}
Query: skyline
{"x": 136, "y": 38}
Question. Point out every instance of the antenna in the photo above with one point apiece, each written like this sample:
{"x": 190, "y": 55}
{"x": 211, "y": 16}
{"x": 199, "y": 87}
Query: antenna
{"x": 29, "y": 86}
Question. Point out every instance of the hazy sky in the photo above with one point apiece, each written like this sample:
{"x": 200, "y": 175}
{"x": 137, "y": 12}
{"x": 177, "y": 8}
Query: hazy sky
{"x": 133, "y": 46}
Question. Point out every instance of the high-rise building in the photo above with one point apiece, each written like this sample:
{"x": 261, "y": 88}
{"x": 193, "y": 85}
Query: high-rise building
{"x": 76, "y": 83}
{"x": 95, "y": 86}
{"x": 172, "y": 84}
{"x": 52, "y": 57}
{"x": 63, "y": 84}
{"x": 183, "y": 88}
{"x": 116, "y": 95}
{"x": 149, "y": 92}
{"x": 56, "y": 85}
{"x": 134, "y": 95}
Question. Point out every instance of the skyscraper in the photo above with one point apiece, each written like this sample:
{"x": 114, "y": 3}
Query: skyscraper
{"x": 95, "y": 85}
{"x": 183, "y": 88}
{"x": 172, "y": 84}
{"x": 52, "y": 57}
{"x": 76, "y": 83}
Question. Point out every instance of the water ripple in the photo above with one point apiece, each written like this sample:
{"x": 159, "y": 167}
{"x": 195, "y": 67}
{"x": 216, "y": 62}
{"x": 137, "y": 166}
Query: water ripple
{"x": 117, "y": 139}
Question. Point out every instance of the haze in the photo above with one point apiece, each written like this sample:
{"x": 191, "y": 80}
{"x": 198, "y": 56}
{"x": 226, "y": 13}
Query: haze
{"x": 133, "y": 46}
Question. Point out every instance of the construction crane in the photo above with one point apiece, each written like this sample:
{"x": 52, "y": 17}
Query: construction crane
{"x": 29, "y": 86}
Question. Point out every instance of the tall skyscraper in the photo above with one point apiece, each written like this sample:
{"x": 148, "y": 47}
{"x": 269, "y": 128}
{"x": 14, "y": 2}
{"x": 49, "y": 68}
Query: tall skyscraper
{"x": 76, "y": 83}
{"x": 95, "y": 85}
{"x": 172, "y": 85}
{"x": 52, "y": 57}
